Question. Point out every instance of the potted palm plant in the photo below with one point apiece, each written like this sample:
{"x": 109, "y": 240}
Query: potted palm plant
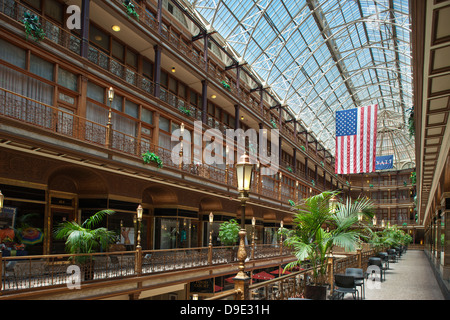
{"x": 85, "y": 238}
{"x": 229, "y": 234}
{"x": 318, "y": 227}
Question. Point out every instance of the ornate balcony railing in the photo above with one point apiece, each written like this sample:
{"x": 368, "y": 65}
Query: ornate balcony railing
{"x": 68, "y": 40}
{"x": 293, "y": 285}
{"x": 43, "y": 271}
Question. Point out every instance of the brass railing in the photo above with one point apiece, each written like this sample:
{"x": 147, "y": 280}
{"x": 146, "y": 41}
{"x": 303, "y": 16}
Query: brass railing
{"x": 68, "y": 40}
{"x": 292, "y": 285}
{"x": 41, "y": 271}
{"x": 29, "y": 111}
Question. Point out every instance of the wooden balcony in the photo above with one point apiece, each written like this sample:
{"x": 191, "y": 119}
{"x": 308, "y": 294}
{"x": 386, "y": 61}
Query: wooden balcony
{"x": 68, "y": 42}
{"x": 23, "y": 275}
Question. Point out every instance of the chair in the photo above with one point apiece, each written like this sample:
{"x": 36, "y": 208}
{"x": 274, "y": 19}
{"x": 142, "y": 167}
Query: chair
{"x": 345, "y": 284}
{"x": 375, "y": 261}
{"x": 385, "y": 258}
{"x": 358, "y": 274}
{"x": 392, "y": 255}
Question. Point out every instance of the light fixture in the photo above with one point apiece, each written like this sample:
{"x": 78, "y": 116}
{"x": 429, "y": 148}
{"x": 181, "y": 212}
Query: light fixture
{"x": 244, "y": 172}
{"x": 211, "y": 217}
{"x": 182, "y": 128}
{"x": 111, "y": 94}
{"x": 253, "y": 221}
{"x": 242, "y": 117}
{"x": 333, "y": 204}
{"x": 195, "y": 296}
{"x": 2, "y": 198}
{"x": 173, "y": 70}
{"x": 139, "y": 212}
{"x": 281, "y": 224}
{"x": 115, "y": 28}
{"x": 213, "y": 96}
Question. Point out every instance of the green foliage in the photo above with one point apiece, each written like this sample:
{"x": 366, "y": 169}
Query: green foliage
{"x": 185, "y": 111}
{"x": 84, "y": 238}
{"x": 411, "y": 125}
{"x": 319, "y": 227}
{"x": 390, "y": 237}
{"x": 131, "y": 11}
{"x": 274, "y": 124}
{"x": 33, "y": 26}
{"x": 413, "y": 178}
{"x": 229, "y": 232}
{"x": 225, "y": 85}
{"x": 152, "y": 157}
{"x": 303, "y": 148}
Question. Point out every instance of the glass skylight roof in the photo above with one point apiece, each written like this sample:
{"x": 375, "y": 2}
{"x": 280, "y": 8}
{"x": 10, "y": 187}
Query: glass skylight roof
{"x": 319, "y": 57}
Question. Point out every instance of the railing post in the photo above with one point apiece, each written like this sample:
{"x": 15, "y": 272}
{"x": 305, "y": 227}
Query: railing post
{"x": 1, "y": 271}
{"x": 210, "y": 253}
{"x": 330, "y": 272}
{"x": 359, "y": 254}
{"x": 138, "y": 261}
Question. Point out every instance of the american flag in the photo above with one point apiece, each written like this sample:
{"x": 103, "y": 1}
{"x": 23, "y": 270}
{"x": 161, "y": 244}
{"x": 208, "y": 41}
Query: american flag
{"x": 356, "y": 140}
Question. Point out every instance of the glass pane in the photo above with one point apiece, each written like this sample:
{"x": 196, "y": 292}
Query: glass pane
{"x": 67, "y": 79}
{"x": 95, "y": 92}
{"x": 147, "y": 116}
{"x": 12, "y": 54}
{"x": 132, "y": 109}
{"x": 164, "y": 124}
{"x": 131, "y": 59}
{"x": 99, "y": 37}
{"x": 117, "y": 50}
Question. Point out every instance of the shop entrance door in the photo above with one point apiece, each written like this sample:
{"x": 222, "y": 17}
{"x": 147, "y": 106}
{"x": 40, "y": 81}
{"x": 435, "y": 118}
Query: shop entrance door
{"x": 61, "y": 209}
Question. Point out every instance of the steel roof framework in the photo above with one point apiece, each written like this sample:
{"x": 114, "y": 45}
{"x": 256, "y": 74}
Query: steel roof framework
{"x": 319, "y": 57}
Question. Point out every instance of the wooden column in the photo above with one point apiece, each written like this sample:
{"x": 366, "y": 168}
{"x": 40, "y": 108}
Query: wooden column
{"x": 204, "y": 101}
{"x": 85, "y": 6}
{"x": 157, "y": 70}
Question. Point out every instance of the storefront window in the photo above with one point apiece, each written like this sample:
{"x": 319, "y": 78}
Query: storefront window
{"x": 271, "y": 235}
{"x": 171, "y": 233}
{"x": 22, "y": 222}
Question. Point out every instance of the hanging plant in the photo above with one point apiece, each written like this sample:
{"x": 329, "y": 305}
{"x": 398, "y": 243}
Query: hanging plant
{"x": 33, "y": 26}
{"x": 303, "y": 148}
{"x": 226, "y": 85}
{"x": 413, "y": 178}
{"x": 371, "y": 185}
{"x": 151, "y": 157}
{"x": 131, "y": 11}
{"x": 289, "y": 169}
{"x": 274, "y": 124}
{"x": 411, "y": 126}
{"x": 185, "y": 111}
{"x": 313, "y": 183}
{"x": 322, "y": 164}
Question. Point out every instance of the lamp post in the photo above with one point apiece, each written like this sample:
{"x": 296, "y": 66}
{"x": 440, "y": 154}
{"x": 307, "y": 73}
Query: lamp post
{"x": 2, "y": 198}
{"x": 139, "y": 211}
{"x": 109, "y": 124}
{"x": 138, "y": 265}
{"x": 253, "y": 237}
{"x": 211, "y": 219}
{"x": 281, "y": 237}
{"x": 244, "y": 173}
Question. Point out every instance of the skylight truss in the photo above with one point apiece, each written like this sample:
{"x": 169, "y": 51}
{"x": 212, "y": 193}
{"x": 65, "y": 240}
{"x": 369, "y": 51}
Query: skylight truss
{"x": 319, "y": 57}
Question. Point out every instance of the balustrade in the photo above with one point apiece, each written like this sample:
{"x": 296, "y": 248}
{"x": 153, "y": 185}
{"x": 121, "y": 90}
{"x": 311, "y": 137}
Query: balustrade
{"x": 28, "y": 272}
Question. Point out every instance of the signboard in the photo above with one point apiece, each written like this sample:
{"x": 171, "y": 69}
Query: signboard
{"x": 384, "y": 162}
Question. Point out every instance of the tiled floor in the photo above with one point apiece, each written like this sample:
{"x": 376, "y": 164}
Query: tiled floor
{"x": 411, "y": 278}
